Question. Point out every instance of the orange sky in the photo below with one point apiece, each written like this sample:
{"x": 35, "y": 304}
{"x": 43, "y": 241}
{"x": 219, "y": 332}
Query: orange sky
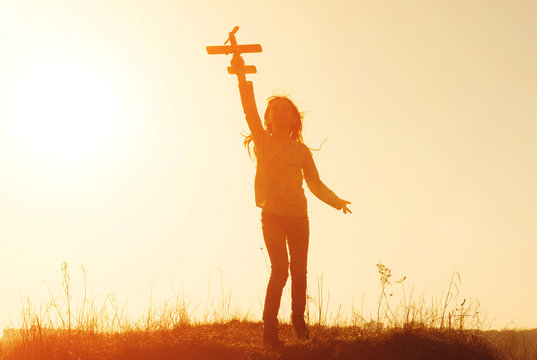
{"x": 121, "y": 149}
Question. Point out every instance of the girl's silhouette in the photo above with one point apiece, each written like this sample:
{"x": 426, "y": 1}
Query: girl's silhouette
{"x": 283, "y": 161}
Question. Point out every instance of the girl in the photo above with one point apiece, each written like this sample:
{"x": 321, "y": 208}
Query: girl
{"x": 283, "y": 161}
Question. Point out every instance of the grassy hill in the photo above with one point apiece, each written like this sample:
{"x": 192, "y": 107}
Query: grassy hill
{"x": 242, "y": 340}
{"x": 446, "y": 329}
{"x": 516, "y": 344}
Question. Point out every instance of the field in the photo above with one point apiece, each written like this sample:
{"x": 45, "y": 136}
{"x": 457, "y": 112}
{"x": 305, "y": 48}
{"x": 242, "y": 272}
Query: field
{"x": 411, "y": 330}
{"x": 242, "y": 340}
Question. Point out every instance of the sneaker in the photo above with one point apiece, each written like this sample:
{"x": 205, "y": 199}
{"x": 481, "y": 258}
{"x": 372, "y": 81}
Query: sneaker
{"x": 301, "y": 329}
{"x": 270, "y": 339}
{"x": 272, "y": 343}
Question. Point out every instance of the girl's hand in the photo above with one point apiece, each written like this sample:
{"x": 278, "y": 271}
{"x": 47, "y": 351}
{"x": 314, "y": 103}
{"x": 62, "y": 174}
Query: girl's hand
{"x": 345, "y": 208}
{"x": 237, "y": 64}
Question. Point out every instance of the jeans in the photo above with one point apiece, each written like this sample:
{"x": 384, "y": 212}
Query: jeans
{"x": 280, "y": 232}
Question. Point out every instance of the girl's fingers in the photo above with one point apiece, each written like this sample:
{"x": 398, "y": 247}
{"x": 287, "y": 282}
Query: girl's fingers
{"x": 345, "y": 208}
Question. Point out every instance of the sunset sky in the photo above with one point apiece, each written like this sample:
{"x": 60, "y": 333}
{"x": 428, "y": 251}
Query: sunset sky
{"x": 121, "y": 149}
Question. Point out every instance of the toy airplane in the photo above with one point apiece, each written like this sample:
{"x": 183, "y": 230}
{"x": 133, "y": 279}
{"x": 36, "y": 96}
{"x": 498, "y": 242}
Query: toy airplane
{"x": 237, "y": 63}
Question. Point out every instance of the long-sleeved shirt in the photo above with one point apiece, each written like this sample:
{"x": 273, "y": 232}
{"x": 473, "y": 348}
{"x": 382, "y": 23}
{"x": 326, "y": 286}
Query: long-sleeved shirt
{"x": 282, "y": 165}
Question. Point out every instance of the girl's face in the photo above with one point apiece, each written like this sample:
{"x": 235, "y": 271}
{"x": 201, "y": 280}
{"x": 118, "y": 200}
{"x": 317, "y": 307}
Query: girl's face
{"x": 281, "y": 113}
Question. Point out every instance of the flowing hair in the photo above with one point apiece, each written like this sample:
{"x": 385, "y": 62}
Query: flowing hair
{"x": 296, "y": 130}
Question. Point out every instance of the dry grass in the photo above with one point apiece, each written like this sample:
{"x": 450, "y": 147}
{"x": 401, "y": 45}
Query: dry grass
{"x": 63, "y": 329}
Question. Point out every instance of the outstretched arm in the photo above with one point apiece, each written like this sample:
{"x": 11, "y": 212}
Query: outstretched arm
{"x": 246, "y": 89}
{"x": 318, "y": 188}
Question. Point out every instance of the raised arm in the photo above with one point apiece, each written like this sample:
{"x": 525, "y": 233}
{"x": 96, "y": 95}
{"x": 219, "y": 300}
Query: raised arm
{"x": 249, "y": 106}
{"x": 318, "y": 188}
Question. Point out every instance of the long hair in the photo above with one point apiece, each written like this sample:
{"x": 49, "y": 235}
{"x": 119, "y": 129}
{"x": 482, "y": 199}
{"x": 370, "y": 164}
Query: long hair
{"x": 295, "y": 132}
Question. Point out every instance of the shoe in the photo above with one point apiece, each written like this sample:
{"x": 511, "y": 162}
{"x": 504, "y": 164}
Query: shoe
{"x": 270, "y": 339}
{"x": 272, "y": 343}
{"x": 301, "y": 329}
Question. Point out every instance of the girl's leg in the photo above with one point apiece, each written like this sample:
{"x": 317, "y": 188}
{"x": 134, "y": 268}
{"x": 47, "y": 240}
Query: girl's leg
{"x": 298, "y": 240}
{"x": 275, "y": 242}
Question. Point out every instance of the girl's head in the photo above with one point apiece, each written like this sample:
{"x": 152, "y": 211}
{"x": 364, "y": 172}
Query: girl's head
{"x": 282, "y": 112}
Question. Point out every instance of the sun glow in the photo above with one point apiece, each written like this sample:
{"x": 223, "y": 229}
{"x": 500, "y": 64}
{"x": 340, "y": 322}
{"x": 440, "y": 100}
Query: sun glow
{"x": 60, "y": 108}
